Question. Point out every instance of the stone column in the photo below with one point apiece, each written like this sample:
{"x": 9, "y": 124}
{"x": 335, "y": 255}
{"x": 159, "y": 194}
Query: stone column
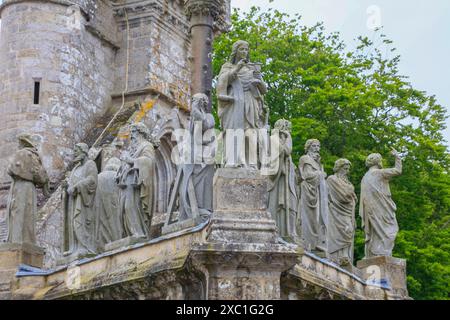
{"x": 386, "y": 272}
{"x": 201, "y": 15}
{"x": 242, "y": 257}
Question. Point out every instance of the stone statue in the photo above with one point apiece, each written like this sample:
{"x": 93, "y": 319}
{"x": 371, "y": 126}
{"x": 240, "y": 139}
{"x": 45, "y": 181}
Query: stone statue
{"x": 136, "y": 182}
{"x": 342, "y": 202}
{"x": 196, "y": 183}
{"x": 79, "y": 205}
{"x": 240, "y": 92}
{"x": 377, "y": 209}
{"x": 313, "y": 204}
{"x": 193, "y": 187}
{"x": 27, "y": 173}
{"x": 108, "y": 227}
{"x": 283, "y": 201}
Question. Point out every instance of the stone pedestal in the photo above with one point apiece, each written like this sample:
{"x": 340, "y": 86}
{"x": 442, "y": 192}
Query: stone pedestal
{"x": 240, "y": 208}
{"x": 11, "y": 256}
{"x": 386, "y": 272}
{"x": 242, "y": 257}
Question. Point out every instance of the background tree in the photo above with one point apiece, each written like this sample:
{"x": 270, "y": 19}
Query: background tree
{"x": 356, "y": 103}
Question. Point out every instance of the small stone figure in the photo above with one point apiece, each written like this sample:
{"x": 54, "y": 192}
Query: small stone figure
{"x": 377, "y": 209}
{"x": 27, "y": 173}
{"x": 79, "y": 205}
{"x": 342, "y": 202}
{"x": 197, "y": 177}
{"x": 282, "y": 189}
{"x": 313, "y": 204}
{"x": 240, "y": 93}
{"x": 108, "y": 225}
{"x": 136, "y": 182}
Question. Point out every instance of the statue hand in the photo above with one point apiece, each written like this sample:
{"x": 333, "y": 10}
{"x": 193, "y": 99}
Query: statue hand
{"x": 241, "y": 63}
{"x": 395, "y": 153}
{"x": 257, "y": 75}
{"x": 257, "y": 82}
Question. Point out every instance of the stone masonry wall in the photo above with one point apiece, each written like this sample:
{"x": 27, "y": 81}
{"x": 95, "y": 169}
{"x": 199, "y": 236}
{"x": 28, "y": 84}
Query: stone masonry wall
{"x": 159, "y": 50}
{"x": 48, "y": 42}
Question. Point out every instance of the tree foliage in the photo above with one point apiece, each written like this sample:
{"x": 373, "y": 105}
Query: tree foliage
{"x": 356, "y": 103}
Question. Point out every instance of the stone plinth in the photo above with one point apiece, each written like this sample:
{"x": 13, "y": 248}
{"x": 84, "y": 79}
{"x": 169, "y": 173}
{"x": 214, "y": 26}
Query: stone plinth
{"x": 240, "y": 208}
{"x": 242, "y": 257}
{"x": 11, "y": 256}
{"x": 243, "y": 271}
{"x": 386, "y": 272}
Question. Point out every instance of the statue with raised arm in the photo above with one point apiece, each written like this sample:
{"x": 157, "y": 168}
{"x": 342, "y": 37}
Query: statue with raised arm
{"x": 27, "y": 173}
{"x": 377, "y": 209}
{"x": 136, "y": 182}
{"x": 108, "y": 225}
{"x": 282, "y": 189}
{"x": 341, "y": 203}
{"x": 240, "y": 94}
{"x": 79, "y": 205}
{"x": 313, "y": 204}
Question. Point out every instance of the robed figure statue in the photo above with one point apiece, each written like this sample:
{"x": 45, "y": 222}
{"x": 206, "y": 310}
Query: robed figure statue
{"x": 27, "y": 173}
{"x": 79, "y": 205}
{"x": 377, "y": 209}
{"x": 282, "y": 190}
{"x": 136, "y": 182}
{"x": 240, "y": 93}
{"x": 342, "y": 225}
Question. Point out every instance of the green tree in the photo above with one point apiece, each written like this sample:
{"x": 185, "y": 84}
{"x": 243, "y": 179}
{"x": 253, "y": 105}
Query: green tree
{"x": 356, "y": 102}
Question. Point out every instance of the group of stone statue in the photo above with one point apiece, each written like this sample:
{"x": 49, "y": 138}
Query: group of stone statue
{"x": 320, "y": 213}
{"x": 117, "y": 204}
{"x": 326, "y": 206}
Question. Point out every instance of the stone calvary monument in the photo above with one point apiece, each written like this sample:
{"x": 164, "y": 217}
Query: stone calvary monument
{"x": 121, "y": 188}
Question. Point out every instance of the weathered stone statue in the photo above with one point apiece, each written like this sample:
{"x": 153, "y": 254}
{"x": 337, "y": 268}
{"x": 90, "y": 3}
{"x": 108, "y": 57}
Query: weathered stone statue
{"x": 283, "y": 201}
{"x": 377, "y": 209}
{"x": 108, "y": 225}
{"x": 198, "y": 176}
{"x": 136, "y": 181}
{"x": 193, "y": 186}
{"x": 240, "y": 92}
{"x": 313, "y": 204}
{"x": 342, "y": 202}
{"x": 79, "y": 205}
{"x": 27, "y": 173}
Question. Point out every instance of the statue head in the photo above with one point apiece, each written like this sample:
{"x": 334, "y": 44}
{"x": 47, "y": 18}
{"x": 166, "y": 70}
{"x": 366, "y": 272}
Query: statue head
{"x": 283, "y": 125}
{"x": 113, "y": 164}
{"x": 342, "y": 166}
{"x": 81, "y": 152}
{"x": 200, "y": 101}
{"x": 139, "y": 130}
{"x": 312, "y": 145}
{"x": 374, "y": 159}
{"x": 26, "y": 141}
{"x": 240, "y": 51}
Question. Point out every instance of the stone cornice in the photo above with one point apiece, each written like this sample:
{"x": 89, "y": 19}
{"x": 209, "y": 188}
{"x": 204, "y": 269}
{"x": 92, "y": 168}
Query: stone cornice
{"x": 142, "y": 9}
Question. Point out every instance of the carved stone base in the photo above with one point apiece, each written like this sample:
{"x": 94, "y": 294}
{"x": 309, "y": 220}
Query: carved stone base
{"x": 242, "y": 258}
{"x": 11, "y": 256}
{"x": 14, "y": 254}
{"x": 182, "y": 225}
{"x": 122, "y": 243}
{"x": 386, "y": 272}
{"x": 243, "y": 271}
{"x": 240, "y": 208}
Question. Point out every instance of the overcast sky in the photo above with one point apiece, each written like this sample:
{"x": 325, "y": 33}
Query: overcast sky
{"x": 420, "y": 30}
